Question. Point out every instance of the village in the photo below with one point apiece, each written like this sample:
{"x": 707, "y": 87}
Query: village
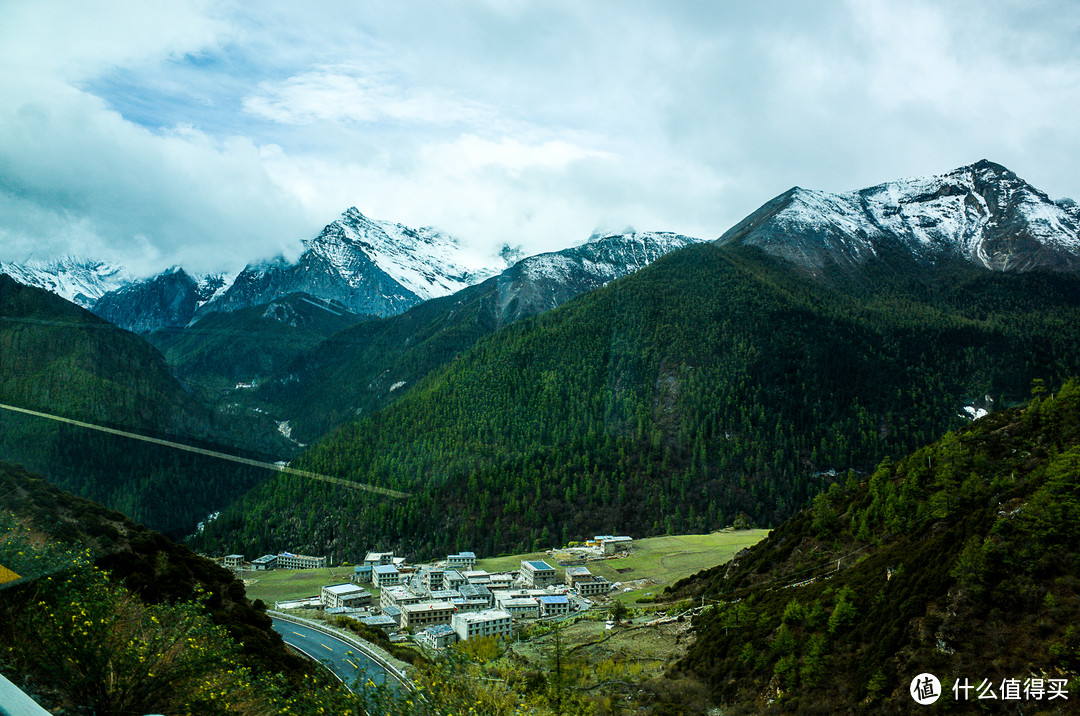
{"x": 438, "y": 604}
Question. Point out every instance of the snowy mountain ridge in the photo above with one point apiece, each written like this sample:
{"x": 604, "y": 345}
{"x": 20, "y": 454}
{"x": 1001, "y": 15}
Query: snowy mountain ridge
{"x": 982, "y": 213}
{"x": 79, "y": 280}
{"x": 426, "y": 261}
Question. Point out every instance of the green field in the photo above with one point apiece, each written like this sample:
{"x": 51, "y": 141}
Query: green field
{"x": 279, "y": 585}
{"x": 661, "y": 560}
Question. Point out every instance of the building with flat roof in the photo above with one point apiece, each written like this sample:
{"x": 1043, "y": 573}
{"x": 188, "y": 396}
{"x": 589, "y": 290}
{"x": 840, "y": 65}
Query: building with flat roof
{"x": 288, "y": 560}
{"x": 476, "y": 592}
{"x": 424, "y": 614}
{"x": 375, "y": 558}
{"x": 398, "y": 596}
{"x": 267, "y": 561}
{"x": 461, "y": 561}
{"x": 234, "y": 561}
{"x": 537, "y": 573}
{"x": 553, "y": 605}
{"x": 452, "y": 579}
{"x": 489, "y": 622}
{"x": 362, "y": 574}
{"x": 599, "y": 585}
{"x": 385, "y": 575}
{"x": 344, "y": 595}
{"x": 611, "y": 544}
{"x": 387, "y": 624}
{"x": 439, "y": 636}
{"x": 518, "y": 607}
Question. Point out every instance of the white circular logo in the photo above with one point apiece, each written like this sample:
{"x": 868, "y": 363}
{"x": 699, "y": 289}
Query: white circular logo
{"x": 925, "y": 689}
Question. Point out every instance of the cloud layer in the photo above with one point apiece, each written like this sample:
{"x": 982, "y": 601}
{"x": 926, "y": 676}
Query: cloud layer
{"x": 211, "y": 134}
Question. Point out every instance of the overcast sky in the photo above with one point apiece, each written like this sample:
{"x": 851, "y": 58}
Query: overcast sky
{"x": 211, "y": 134}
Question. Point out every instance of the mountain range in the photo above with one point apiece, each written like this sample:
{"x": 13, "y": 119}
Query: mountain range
{"x": 982, "y": 213}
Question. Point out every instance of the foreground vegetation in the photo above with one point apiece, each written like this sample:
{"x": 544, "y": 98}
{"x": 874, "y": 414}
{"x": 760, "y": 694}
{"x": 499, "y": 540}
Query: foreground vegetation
{"x": 960, "y": 560}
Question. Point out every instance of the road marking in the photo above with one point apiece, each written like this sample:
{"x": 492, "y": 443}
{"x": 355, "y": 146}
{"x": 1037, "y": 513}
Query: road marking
{"x": 353, "y": 665}
{"x": 325, "y": 646}
{"x": 297, "y": 633}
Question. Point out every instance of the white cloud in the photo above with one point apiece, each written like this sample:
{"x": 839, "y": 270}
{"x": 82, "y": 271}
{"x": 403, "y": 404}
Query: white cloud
{"x": 157, "y": 133}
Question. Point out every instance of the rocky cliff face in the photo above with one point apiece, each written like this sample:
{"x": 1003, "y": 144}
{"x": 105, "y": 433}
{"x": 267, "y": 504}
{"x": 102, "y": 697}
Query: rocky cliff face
{"x": 168, "y": 300}
{"x": 79, "y": 280}
{"x": 374, "y": 268}
{"x": 982, "y": 213}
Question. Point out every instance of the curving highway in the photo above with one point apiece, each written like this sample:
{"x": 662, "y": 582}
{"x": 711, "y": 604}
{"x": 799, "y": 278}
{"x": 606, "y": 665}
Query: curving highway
{"x": 343, "y": 659}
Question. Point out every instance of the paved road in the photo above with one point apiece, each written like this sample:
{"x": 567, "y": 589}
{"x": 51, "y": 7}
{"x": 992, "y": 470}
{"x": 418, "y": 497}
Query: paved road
{"x": 339, "y": 656}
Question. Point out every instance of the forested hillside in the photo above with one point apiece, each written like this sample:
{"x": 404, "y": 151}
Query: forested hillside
{"x": 717, "y": 383}
{"x": 961, "y": 560}
{"x": 250, "y": 344}
{"x": 60, "y": 359}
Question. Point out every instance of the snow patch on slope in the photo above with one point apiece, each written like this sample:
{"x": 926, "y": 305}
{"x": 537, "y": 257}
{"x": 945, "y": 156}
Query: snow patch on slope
{"x": 81, "y": 281}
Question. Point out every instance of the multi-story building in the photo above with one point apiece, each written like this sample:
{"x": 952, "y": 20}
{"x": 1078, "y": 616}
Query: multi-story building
{"x": 431, "y": 579}
{"x": 267, "y": 561}
{"x": 537, "y": 573}
{"x": 576, "y": 575}
{"x": 599, "y": 585}
{"x": 376, "y": 558}
{"x": 490, "y": 622}
{"x": 477, "y": 576}
{"x": 288, "y": 560}
{"x": 234, "y": 561}
{"x": 425, "y": 614}
{"x": 452, "y": 579}
{"x": 476, "y": 592}
{"x": 398, "y": 596}
{"x": 553, "y": 605}
{"x": 463, "y": 561}
{"x": 344, "y": 595}
{"x": 611, "y": 544}
{"x": 439, "y": 636}
{"x": 518, "y": 607}
{"x": 385, "y": 575}
{"x": 382, "y": 621}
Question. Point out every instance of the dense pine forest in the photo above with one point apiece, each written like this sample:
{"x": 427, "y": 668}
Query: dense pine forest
{"x": 959, "y": 560}
{"x": 60, "y": 359}
{"x": 716, "y": 386}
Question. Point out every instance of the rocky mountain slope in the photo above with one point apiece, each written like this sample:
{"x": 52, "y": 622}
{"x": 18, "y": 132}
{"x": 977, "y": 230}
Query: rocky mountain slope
{"x": 715, "y": 382}
{"x": 374, "y": 268}
{"x": 982, "y": 213}
{"x": 168, "y": 300}
{"x": 81, "y": 281}
{"x": 362, "y": 368}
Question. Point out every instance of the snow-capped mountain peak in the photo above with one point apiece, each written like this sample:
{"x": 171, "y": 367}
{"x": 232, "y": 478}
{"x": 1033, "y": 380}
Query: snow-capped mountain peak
{"x": 425, "y": 261}
{"x": 79, "y": 280}
{"x": 982, "y": 213}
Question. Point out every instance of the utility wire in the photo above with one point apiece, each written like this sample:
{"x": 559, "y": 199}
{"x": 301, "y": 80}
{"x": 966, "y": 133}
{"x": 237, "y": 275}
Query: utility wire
{"x": 215, "y": 454}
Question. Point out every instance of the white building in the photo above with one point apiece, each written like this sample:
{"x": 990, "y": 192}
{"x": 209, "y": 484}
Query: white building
{"x": 611, "y": 544}
{"x": 234, "y": 561}
{"x": 398, "y": 596}
{"x": 425, "y": 614}
{"x": 288, "y": 560}
{"x": 385, "y": 575}
{"x": 375, "y": 558}
{"x": 344, "y": 595}
{"x": 518, "y": 607}
{"x": 537, "y": 573}
{"x": 553, "y": 605}
{"x": 439, "y": 636}
{"x": 463, "y": 561}
{"x": 490, "y": 622}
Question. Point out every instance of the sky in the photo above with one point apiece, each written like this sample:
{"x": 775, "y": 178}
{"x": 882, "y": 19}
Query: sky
{"x": 215, "y": 134}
